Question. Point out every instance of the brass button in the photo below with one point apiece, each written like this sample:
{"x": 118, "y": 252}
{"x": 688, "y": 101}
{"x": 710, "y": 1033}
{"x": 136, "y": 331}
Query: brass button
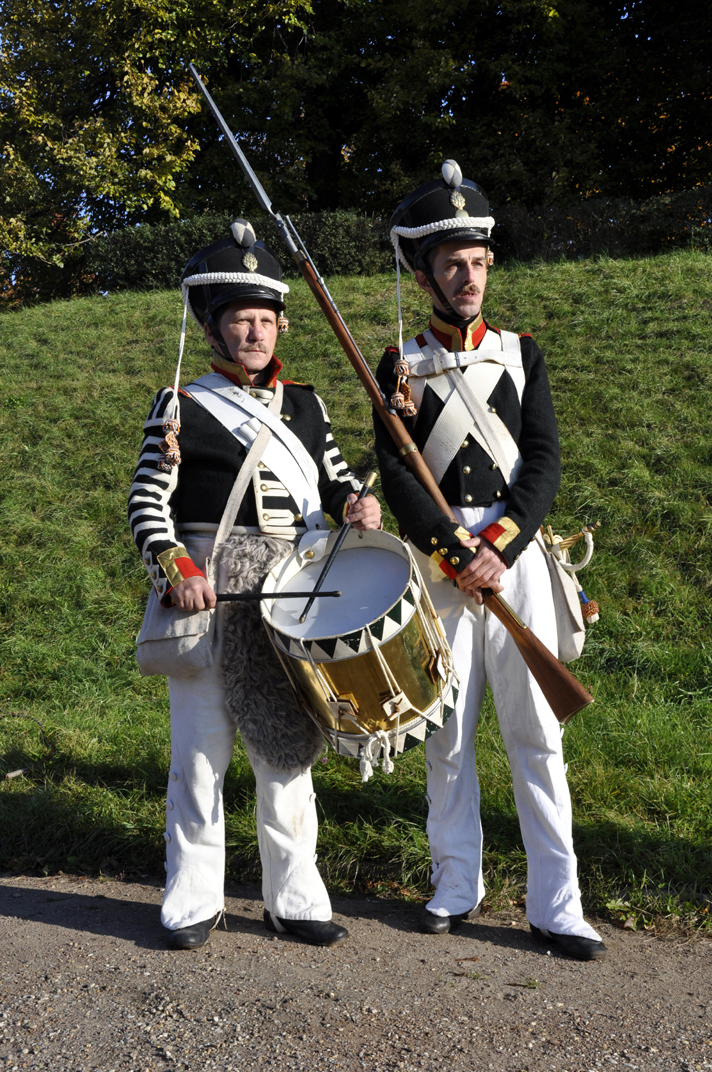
{"x": 265, "y": 517}
{"x": 261, "y": 465}
{"x": 434, "y": 541}
{"x": 492, "y": 409}
{"x": 465, "y": 444}
{"x": 442, "y": 551}
{"x": 466, "y": 470}
{"x": 263, "y": 487}
{"x": 455, "y": 560}
{"x": 494, "y": 466}
{"x": 309, "y": 554}
{"x": 298, "y": 517}
{"x": 498, "y": 494}
{"x": 286, "y": 416}
{"x": 468, "y": 498}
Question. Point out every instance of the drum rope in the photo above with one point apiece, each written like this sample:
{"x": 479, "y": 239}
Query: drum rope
{"x": 368, "y": 756}
{"x": 432, "y": 638}
{"x": 390, "y": 679}
{"x": 323, "y": 681}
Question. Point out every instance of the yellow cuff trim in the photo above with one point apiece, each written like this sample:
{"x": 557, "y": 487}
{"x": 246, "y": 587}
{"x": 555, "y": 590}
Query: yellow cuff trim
{"x": 511, "y": 531}
{"x": 167, "y": 559}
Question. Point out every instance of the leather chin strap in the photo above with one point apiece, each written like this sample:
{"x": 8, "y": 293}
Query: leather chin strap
{"x": 224, "y": 352}
{"x": 424, "y": 267}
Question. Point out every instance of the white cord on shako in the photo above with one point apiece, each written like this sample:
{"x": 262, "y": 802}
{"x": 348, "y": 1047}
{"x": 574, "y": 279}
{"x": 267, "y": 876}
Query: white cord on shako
{"x": 250, "y": 278}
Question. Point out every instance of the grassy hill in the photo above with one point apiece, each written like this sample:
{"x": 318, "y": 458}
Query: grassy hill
{"x": 627, "y": 344}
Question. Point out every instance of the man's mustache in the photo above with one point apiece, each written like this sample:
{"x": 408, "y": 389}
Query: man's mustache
{"x": 468, "y": 288}
{"x": 248, "y": 348}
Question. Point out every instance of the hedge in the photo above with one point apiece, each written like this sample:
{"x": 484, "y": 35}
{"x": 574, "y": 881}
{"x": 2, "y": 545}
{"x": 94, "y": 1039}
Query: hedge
{"x": 148, "y": 258}
{"x": 343, "y": 242}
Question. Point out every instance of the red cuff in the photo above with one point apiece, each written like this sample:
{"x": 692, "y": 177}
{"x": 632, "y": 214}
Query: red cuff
{"x": 189, "y": 569}
{"x": 447, "y": 569}
{"x": 492, "y": 533}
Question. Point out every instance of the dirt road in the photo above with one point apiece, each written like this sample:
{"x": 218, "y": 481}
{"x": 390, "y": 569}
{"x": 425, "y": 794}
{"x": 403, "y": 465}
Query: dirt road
{"x": 86, "y": 983}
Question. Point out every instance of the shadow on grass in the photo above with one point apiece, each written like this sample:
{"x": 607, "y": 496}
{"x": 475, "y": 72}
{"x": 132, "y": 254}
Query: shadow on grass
{"x": 107, "y": 818}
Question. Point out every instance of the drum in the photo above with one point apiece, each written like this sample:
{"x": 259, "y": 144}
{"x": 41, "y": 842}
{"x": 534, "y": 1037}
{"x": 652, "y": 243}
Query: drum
{"x": 373, "y": 666}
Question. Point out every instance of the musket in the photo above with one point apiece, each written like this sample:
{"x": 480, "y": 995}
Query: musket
{"x": 563, "y": 692}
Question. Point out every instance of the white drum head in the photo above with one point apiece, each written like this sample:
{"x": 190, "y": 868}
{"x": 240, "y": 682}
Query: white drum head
{"x": 371, "y": 580}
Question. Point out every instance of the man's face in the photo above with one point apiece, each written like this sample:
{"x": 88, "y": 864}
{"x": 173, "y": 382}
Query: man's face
{"x": 460, "y": 270}
{"x": 250, "y": 334}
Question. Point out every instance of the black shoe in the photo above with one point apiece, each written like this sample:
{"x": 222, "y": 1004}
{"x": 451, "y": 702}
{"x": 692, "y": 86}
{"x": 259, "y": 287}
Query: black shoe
{"x": 314, "y": 931}
{"x": 195, "y": 936}
{"x": 572, "y": 944}
{"x": 432, "y": 924}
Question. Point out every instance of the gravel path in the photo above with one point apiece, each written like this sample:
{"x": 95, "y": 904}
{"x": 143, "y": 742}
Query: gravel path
{"x": 86, "y": 983}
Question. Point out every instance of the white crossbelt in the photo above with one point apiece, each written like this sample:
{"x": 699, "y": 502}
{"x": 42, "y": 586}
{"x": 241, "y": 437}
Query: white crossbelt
{"x": 464, "y": 394}
{"x": 284, "y": 455}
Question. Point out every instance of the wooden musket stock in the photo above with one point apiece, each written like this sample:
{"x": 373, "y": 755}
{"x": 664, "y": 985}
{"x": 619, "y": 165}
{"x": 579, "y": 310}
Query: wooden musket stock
{"x": 564, "y": 694}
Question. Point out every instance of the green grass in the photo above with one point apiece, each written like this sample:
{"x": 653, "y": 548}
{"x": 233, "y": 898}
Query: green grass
{"x": 627, "y": 344}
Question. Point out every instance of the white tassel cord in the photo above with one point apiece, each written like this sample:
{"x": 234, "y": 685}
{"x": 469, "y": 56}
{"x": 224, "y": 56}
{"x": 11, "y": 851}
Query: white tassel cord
{"x": 176, "y": 382}
{"x": 368, "y": 755}
{"x": 398, "y": 294}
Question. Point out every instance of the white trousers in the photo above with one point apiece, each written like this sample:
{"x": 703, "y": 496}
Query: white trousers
{"x": 202, "y": 739}
{"x": 484, "y": 652}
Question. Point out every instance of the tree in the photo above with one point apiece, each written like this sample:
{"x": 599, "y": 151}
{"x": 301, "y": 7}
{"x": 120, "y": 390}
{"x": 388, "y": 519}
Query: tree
{"x": 339, "y": 103}
{"x": 95, "y": 102}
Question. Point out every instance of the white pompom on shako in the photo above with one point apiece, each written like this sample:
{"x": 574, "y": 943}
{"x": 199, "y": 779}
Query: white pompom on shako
{"x": 448, "y": 209}
{"x": 243, "y": 232}
{"x": 452, "y": 173}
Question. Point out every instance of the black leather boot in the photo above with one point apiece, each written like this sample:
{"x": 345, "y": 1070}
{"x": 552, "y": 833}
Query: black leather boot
{"x": 432, "y": 924}
{"x": 572, "y": 944}
{"x": 314, "y": 931}
{"x": 195, "y": 936}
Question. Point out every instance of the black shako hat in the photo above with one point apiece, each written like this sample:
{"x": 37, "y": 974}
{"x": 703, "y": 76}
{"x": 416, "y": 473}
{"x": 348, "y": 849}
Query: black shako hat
{"x": 238, "y": 268}
{"x": 443, "y": 210}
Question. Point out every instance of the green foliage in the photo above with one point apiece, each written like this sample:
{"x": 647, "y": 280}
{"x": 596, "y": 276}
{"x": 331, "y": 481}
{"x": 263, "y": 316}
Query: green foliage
{"x": 343, "y": 243}
{"x": 627, "y": 350}
{"x": 619, "y": 227}
{"x": 340, "y": 104}
{"x": 92, "y": 131}
{"x": 149, "y": 258}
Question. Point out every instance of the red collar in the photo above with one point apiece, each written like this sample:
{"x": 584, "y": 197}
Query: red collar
{"x": 238, "y": 374}
{"x": 453, "y": 338}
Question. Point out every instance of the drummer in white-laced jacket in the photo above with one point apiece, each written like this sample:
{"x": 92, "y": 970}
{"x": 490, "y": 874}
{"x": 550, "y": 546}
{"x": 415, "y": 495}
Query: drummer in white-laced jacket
{"x": 477, "y": 403}
{"x": 235, "y": 291}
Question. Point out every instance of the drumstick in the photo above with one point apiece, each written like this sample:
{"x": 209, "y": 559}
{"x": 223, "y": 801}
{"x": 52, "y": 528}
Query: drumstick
{"x": 367, "y": 485}
{"x": 233, "y": 597}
